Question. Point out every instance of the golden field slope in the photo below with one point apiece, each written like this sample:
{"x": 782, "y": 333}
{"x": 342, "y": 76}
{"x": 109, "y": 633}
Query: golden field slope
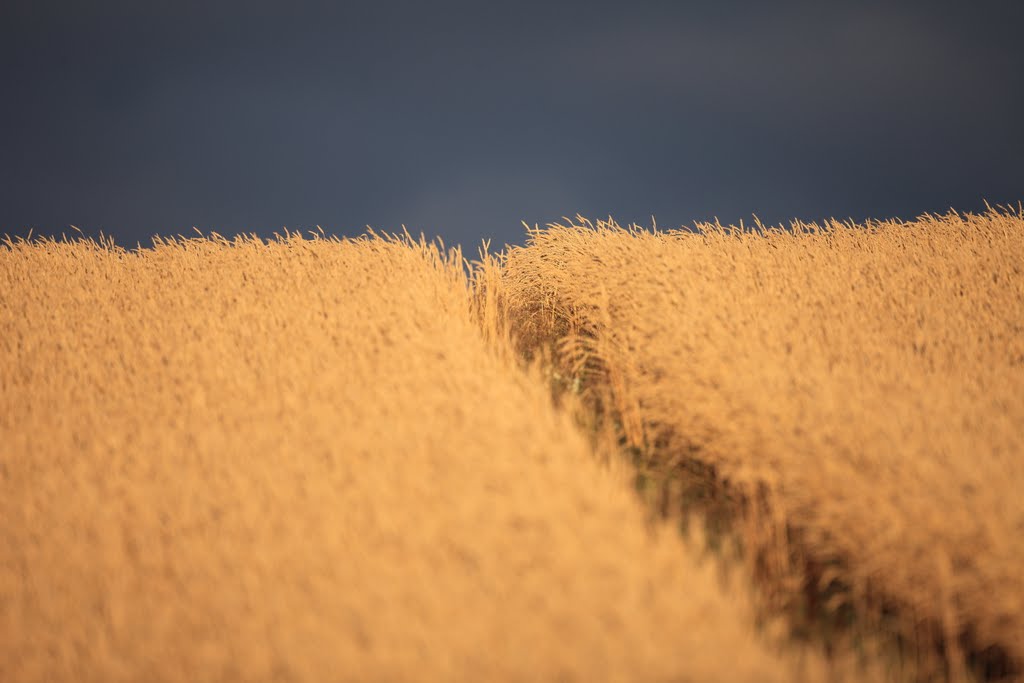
{"x": 300, "y": 461}
{"x": 868, "y": 379}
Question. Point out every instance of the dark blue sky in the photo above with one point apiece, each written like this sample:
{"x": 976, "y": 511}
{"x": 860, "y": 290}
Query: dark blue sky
{"x": 139, "y": 118}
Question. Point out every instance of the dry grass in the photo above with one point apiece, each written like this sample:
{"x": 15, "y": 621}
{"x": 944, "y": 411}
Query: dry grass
{"x": 865, "y": 383}
{"x": 300, "y": 461}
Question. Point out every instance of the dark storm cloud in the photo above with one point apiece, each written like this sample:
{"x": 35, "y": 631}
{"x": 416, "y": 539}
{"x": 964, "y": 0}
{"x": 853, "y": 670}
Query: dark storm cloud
{"x": 138, "y": 118}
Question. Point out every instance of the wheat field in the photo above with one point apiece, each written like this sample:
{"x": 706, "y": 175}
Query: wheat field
{"x": 313, "y": 458}
{"x": 300, "y": 461}
{"x": 860, "y": 385}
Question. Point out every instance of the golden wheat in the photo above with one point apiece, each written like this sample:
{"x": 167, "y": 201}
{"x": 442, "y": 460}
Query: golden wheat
{"x": 299, "y": 460}
{"x": 869, "y": 379}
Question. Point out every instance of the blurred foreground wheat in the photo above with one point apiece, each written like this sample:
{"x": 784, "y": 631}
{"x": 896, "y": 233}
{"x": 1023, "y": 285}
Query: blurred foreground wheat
{"x": 299, "y": 460}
